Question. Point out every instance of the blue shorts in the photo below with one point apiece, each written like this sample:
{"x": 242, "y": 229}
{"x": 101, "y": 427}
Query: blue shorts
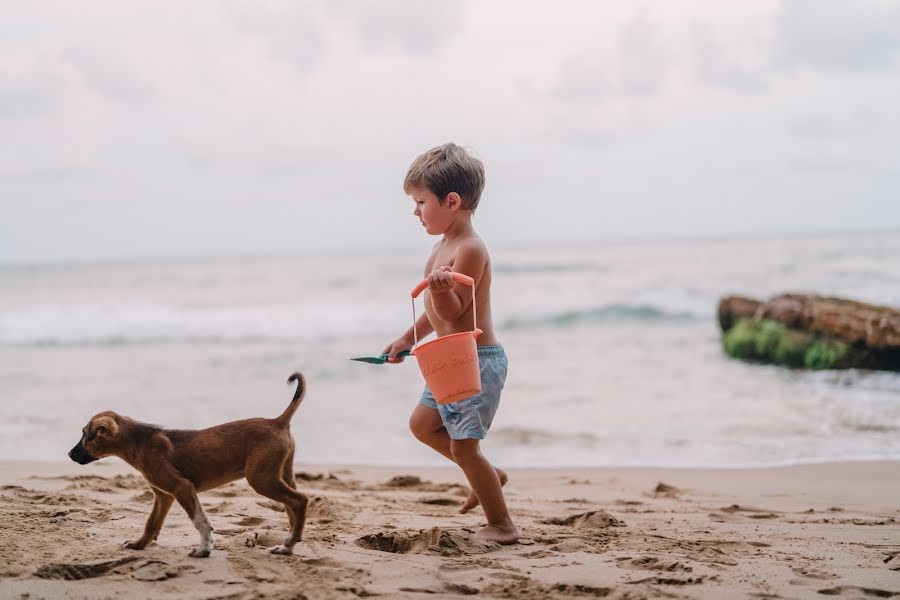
{"x": 471, "y": 418}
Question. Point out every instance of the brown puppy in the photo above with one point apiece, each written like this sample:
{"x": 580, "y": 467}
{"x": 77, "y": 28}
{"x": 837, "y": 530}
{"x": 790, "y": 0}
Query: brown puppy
{"x": 179, "y": 463}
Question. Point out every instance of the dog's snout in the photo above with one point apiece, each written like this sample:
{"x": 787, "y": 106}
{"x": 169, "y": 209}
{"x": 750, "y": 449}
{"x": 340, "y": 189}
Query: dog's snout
{"x": 80, "y": 455}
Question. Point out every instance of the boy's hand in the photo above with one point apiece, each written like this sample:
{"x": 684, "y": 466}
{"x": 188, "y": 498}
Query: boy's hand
{"x": 440, "y": 281}
{"x": 395, "y": 347}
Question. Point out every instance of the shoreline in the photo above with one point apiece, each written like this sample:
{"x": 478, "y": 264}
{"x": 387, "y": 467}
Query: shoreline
{"x": 618, "y": 532}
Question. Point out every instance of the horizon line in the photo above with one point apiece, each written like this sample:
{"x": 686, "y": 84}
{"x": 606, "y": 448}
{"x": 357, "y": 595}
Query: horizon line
{"x": 513, "y": 244}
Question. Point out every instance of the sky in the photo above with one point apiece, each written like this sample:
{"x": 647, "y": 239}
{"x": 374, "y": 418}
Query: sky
{"x": 166, "y": 129}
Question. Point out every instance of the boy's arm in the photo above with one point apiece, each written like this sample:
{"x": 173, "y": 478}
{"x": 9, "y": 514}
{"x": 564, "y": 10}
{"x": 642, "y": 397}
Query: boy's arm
{"x": 450, "y": 299}
{"x": 423, "y": 328}
{"x": 405, "y": 341}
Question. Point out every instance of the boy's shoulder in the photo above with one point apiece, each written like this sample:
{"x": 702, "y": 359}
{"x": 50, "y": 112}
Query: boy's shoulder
{"x": 471, "y": 257}
{"x": 471, "y": 247}
{"x": 472, "y": 242}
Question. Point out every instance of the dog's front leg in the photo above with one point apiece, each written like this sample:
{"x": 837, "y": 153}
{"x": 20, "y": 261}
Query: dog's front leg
{"x": 186, "y": 495}
{"x": 161, "y": 504}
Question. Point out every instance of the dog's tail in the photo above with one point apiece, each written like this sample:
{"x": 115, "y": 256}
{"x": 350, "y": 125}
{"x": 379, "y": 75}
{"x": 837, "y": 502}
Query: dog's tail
{"x": 285, "y": 417}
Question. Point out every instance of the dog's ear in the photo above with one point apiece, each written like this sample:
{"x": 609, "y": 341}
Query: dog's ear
{"x": 106, "y": 426}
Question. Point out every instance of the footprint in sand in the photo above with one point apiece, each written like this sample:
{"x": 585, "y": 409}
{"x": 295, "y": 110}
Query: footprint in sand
{"x": 160, "y": 570}
{"x": 858, "y": 591}
{"x": 129, "y": 482}
{"x": 674, "y": 580}
{"x": 276, "y": 506}
{"x": 321, "y": 509}
{"x": 220, "y": 508}
{"x": 455, "y": 589}
{"x": 48, "y": 498}
{"x": 97, "y": 483}
{"x": 573, "y": 545}
{"x": 228, "y": 491}
{"x": 415, "y": 483}
{"x": 629, "y": 503}
{"x": 653, "y": 563}
{"x": 539, "y": 554}
{"x": 78, "y": 571}
{"x": 228, "y": 532}
{"x": 523, "y": 587}
{"x": 440, "y": 501}
{"x": 250, "y": 521}
{"x": 146, "y": 496}
{"x": 434, "y": 540}
{"x": 263, "y": 538}
{"x": 813, "y": 573}
{"x": 716, "y": 552}
{"x": 750, "y": 511}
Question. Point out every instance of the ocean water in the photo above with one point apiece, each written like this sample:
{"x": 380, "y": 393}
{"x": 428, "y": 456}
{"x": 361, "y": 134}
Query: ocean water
{"x": 615, "y": 354}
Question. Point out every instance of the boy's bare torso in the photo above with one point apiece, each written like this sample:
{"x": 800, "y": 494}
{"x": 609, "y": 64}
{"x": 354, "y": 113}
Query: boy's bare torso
{"x": 444, "y": 255}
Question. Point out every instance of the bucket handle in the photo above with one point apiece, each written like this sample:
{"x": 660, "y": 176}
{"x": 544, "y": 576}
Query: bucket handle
{"x": 463, "y": 279}
{"x": 460, "y": 278}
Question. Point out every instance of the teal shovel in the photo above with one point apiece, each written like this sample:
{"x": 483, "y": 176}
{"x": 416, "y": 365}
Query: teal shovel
{"x": 378, "y": 360}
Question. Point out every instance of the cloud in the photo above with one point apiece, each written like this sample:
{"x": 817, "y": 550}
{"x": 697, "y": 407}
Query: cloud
{"x": 28, "y": 86}
{"x": 43, "y": 159}
{"x": 582, "y": 81}
{"x": 264, "y": 148}
{"x": 644, "y": 62}
{"x": 640, "y": 67}
{"x": 824, "y": 165}
{"x": 716, "y": 64}
{"x": 292, "y": 31}
{"x": 411, "y": 26}
{"x": 819, "y": 127}
{"x": 110, "y": 73}
{"x": 301, "y": 33}
{"x": 838, "y": 35}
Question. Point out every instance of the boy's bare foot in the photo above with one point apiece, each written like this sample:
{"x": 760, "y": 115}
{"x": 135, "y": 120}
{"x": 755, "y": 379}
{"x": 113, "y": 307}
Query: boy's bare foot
{"x": 472, "y": 501}
{"x": 502, "y": 534}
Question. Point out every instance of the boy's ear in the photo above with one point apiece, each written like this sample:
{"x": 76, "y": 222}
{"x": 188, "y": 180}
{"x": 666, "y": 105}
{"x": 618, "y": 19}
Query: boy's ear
{"x": 454, "y": 201}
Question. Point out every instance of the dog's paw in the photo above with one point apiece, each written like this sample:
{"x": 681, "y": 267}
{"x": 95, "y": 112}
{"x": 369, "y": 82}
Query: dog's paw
{"x": 279, "y": 549}
{"x": 133, "y": 545}
{"x": 199, "y": 552}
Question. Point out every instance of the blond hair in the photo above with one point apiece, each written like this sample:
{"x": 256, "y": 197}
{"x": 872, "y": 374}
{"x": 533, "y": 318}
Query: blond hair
{"x": 448, "y": 168}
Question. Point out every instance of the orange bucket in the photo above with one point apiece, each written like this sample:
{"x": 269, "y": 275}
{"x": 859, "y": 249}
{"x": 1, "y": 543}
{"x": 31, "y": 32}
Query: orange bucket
{"x": 450, "y": 363}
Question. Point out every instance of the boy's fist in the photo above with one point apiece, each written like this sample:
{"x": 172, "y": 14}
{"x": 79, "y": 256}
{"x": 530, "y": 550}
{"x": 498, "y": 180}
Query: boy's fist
{"x": 440, "y": 280}
{"x": 395, "y": 347}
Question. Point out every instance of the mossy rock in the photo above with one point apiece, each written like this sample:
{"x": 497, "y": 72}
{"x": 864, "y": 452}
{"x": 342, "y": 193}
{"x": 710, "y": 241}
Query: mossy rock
{"x": 767, "y": 337}
{"x": 790, "y": 351}
{"x": 771, "y": 342}
{"x": 827, "y": 354}
{"x": 740, "y": 340}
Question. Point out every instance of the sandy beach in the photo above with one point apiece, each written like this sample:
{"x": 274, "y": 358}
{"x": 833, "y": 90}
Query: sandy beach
{"x": 792, "y": 532}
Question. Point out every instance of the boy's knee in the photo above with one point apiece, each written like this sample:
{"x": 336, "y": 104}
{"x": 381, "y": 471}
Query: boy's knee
{"x": 464, "y": 451}
{"x": 418, "y": 429}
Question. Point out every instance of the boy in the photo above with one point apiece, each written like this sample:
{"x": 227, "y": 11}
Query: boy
{"x": 445, "y": 183}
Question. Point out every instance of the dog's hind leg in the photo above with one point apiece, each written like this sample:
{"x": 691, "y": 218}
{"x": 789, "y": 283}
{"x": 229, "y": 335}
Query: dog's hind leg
{"x": 161, "y": 504}
{"x": 266, "y": 476}
{"x": 287, "y": 473}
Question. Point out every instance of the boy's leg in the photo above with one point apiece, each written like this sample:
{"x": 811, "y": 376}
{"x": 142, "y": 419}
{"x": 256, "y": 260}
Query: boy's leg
{"x": 472, "y": 501}
{"x": 485, "y": 483}
{"x": 425, "y": 423}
